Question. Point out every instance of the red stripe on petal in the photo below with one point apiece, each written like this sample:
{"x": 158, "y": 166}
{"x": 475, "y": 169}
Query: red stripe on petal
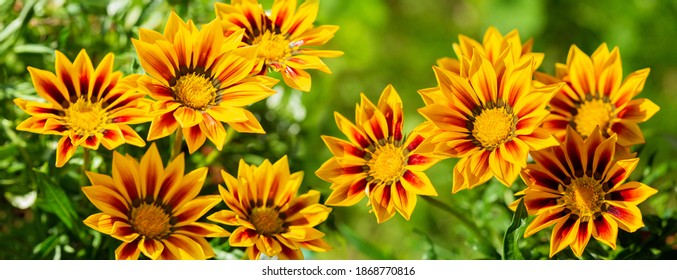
{"x": 540, "y": 203}
{"x": 53, "y": 92}
{"x": 413, "y": 179}
{"x": 415, "y": 143}
{"x": 363, "y": 142}
{"x": 64, "y": 151}
{"x": 542, "y": 179}
{"x": 92, "y": 141}
{"x": 128, "y": 251}
{"x": 417, "y": 159}
{"x": 357, "y": 187}
{"x": 353, "y": 169}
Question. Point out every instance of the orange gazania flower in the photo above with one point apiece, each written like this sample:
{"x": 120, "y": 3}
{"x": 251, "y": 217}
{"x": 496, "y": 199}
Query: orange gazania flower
{"x": 86, "y": 106}
{"x": 595, "y": 95}
{"x": 153, "y": 210}
{"x": 378, "y": 161}
{"x": 488, "y": 119}
{"x": 493, "y": 45}
{"x": 579, "y": 187}
{"x": 199, "y": 78}
{"x": 270, "y": 218}
{"x": 282, "y": 36}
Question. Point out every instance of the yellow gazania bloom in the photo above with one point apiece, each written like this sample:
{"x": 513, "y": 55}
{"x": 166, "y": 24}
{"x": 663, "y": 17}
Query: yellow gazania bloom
{"x": 489, "y": 120}
{"x": 86, "y": 106}
{"x": 595, "y": 95}
{"x": 282, "y": 36}
{"x": 578, "y": 186}
{"x": 378, "y": 161}
{"x": 153, "y": 210}
{"x": 199, "y": 78}
{"x": 493, "y": 45}
{"x": 270, "y": 218}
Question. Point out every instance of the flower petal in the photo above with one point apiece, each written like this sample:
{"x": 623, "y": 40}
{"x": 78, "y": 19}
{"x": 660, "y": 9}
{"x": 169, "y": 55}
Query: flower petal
{"x": 564, "y": 233}
{"x": 631, "y": 192}
{"x": 128, "y": 251}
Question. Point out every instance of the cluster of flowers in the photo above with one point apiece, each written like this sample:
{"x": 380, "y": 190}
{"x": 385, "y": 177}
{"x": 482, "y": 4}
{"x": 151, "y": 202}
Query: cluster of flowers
{"x": 197, "y": 79}
{"x": 490, "y": 109}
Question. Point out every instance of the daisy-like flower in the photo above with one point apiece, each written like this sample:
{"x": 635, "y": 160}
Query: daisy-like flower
{"x": 579, "y": 187}
{"x": 493, "y": 45}
{"x": 198, "y": 79}
{"x": 283, "y": 36}
{"x": 86, "y": 106}
{"x": 489, "y": 119}
{"x": 378, "y": 160}
{"x": 269, "y": 217}
{"x": 595, "y": 95}
{"x": 153, "y": 210}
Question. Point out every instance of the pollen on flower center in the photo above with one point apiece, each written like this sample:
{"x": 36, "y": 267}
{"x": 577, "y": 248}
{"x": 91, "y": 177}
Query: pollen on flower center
{"x": 150, "y": 221}
{"x": 386, "y": 164}
{"x": 584, "y": 196}
{"x": 85, "y": 117}
{"x": 273, "y": 48}
{"x": 195, "y": 91}
{"x": 266, "y": 221}
{"x": 592, "y": 113}
{"x": 493, "y": 127}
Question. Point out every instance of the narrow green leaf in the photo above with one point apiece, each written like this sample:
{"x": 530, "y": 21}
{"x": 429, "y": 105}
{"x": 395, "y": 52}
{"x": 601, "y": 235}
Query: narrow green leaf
{"x": 33, "y": 48}
{"x": 55, "y": 200}
{"x": 370, "y": 250}
{"x": 430, "y": 253}
{"x": 511, "y": 249}
{"x": 19, "y": 22}
{"x": 46, "y": 246}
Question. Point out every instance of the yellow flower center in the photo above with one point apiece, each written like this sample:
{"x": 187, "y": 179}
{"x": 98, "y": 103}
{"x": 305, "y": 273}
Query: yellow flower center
{"x": 85, "y": 117}
{"x": 584, "y": 196}
{"x": 493, "y": 127}
{"x": 274, "y": 49}
{"x": 266, "y": 221}
{"x": 195, "y": 91}
{"x": 592, "y": 113}
{"x": 386, "y": 164}
{"x": 150, "y": 221}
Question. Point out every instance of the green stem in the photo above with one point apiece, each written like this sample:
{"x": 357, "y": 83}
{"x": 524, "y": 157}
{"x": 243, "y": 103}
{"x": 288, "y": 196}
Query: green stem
{"x": 230, "y": 134}
{"x": 85, "y": 165}
{"x": 464, "y": 220}
{"x": 178, "y": 141}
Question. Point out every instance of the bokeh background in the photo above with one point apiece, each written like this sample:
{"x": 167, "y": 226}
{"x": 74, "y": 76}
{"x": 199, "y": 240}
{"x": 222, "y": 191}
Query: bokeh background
{"x": 385, "y": 42}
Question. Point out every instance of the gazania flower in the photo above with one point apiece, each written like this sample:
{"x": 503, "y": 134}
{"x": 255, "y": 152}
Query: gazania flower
{"x": 86, "y": 106}
{"x": 378, "y": 160}
{"x": 153, "y": 210}
{"x": 269, "y": 217}
{"x": 595, "y": 95}
{"x": 282, "y": 37}
{"x": 489, "y": 120}
{"x": 578, "y": 187}
{"x": 493, "y": 45}
{"x": 198, "y": 80}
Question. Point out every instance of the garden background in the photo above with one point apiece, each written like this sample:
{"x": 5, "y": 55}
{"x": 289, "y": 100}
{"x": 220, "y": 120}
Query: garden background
{"x": 385, "y": 42}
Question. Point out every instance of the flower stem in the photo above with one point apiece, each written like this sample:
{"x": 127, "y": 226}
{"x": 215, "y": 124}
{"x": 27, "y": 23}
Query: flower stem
{"x": 465, "y": 221}
{"x": 85, "y": 164}
{"x": 178, "y": 141}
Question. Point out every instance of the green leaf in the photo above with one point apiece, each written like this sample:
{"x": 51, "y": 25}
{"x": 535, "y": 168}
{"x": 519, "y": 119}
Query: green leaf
{"x": 33, "y": 48}
{"x": 367, "y": 248}
{"x": 430, "y": 253}
{"x": 55, "y": 200}
{"x": 46, "y": 246}
{"x": 511, "y": 249}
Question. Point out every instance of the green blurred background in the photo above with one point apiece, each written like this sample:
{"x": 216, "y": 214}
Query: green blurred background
{"x": 385, "y": 42}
